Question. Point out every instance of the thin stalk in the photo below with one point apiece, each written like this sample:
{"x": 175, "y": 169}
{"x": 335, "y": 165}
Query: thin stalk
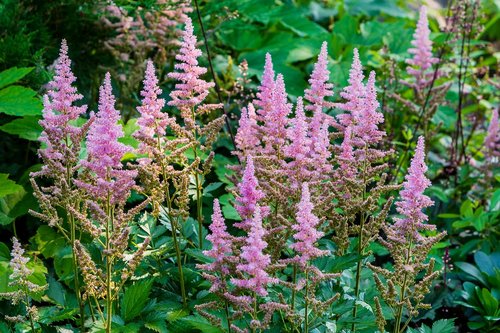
{"x": 217, "y": 89}
{"x": 27, "y": 307}
{"x": 306, "y": 305}
{"x": 360, "y": 247}
{"x": 199, "y": 203}
{"x": 294, "y": 279}
{"x": 109, "y": 300}
{"x": 71, "y": 220}
{"x": 173, "y": 226}
{"x": 228, "y": 318}
{"x": 403, "y": 292}
{"x": 254, "y": 309}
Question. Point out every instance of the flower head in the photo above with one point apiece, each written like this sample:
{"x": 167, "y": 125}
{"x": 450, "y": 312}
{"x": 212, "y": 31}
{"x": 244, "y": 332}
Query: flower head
{"x": 255, "y": 261}
{"x": 422, "y": 50}
{"x": 151, "y": 121}
{"x": 306, "y": 228}
{"x": 247, "y": 140}
{"x": 105, "y": 152}
{"x": 413, "y": 199}
{"x": 62, "y": 139}
{"x": 249, "y": 195}
{"x": 492, "y": 141}
{"x": 221, "y": 244}
{"x": 264, "y": 100}
{"x": 320, "y": 88}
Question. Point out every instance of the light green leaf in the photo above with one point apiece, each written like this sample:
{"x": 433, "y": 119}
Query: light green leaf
{"x": 8, "y": 186}
{"x": 26, "y": 128}
{"x": 13, "y": 74}
{"x": 19, "y": 101}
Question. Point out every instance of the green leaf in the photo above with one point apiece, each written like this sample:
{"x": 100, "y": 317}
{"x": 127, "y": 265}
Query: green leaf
{"x": 489, "y": 302}
{"x": 444, "y": 326}
{"x": 26, "y": 128}
{"x": 49, "y": 242}
{"x": 211, "y": 187}
{"x": 8, "y": 186}
{"x": 201, "y": 323}
{"x": 472, "y": 271}
{"x": 134, "y": 299}
{"x": 228, "y": 210}
{"x": 19, "y": 101}
{"x": 13, "y": 74}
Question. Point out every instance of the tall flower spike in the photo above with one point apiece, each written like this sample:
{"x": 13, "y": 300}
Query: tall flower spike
{"x": 353, "y": 93}
{"x": 255, "y": 261}
{"x": 105, "y": 152}
{"x": 221, "y": 243}
{"x": 368, "y": 119}
{"x": 492, "y": 141}
{"x": 320, "y": 88}
{"x": 306, "y": 228}
{"x": 249, "y": 196}
{"x": 192, "y": 90}
{"x": 299, "y": 147}
{"x": 151, "y": 121}
{"x": 276, "y": 121}
{"x": 413, "y": 200}
{"x": 246, "y": 139}
{"x": 346, "y": 157}
{"x": 264, "y": 100}
{"x": 422, "y": 50}
{"x": 58, "y": 112}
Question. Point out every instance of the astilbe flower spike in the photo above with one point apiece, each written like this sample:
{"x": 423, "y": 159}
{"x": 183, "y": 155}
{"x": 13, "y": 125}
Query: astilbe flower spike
{"x": 306, "y": 230}
{"x": 320, "y": 87}
{"x": 152, "y": 121}
{"x": 61, "y": 138}
{"x": 276, "y": 121}
{"x": 105, "y": 152}
{"x": 255, "y": 261}
{"x": 264, "y": 100}
{"x": 221, "y": 242}
{"x": 249, "y": 195}
{"x": 422, "y": 51}
{"x": 367, "y": 119}
{"x": 247, "y": 139}
{"x": 492, "y": 140}
{"x": 19, "y": 279}
{"x": 413, "y": 200}
{"x": 353, "y": 94}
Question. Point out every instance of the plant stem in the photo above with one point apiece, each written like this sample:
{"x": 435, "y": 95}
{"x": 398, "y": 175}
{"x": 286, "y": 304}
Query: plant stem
{"x": 109, "y": 301}
{"x": 399, "y": 314}
{"x": 71, "y": 220}
{"x": 27, "y": 309}
{"x": 294, "y": 279}
{"x": 228, "y": 318}
{"x": 306, "y": 305}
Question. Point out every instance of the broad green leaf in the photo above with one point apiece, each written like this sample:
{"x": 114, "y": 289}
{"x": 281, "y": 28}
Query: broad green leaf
{"x": 201, "y": 323}
{"x": 472, "y": 271}
{"x": 443, "y": 326}
{"x": 13, "y": 74}
{"x": 8, "y": 186}
{"x": 19, "y": 101}
{"x": 49, "y": 242}
{"x": 134, "y": 299}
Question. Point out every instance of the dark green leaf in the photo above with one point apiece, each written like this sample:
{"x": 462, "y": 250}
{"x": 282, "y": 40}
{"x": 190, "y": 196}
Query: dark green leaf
{"x": 19, "y": 101}
{"x": 13, "y": 74}
{"x": 134, "y": 299}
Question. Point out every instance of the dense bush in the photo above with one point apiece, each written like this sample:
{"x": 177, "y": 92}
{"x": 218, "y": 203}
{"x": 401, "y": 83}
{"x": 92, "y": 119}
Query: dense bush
{"x": 249, "y": 166}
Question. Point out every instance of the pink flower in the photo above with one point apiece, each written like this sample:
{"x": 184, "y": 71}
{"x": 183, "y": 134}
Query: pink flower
{"x": 192, "y": 90}
{"x": 247, "y": 140}
{"x": 320, "y": 88}
{"x": 492, "y": 140}
{"x": 307, "y": 233}
{"x": 62, "y": 140}
{"x": 221, "y": 244}
{"x": 413, "y": 200}
{"x": 276, "y": 121}
{"x": 151, "y": 121}
{"x": 255, "y": 261}
{"x": 422, "y": 51}
{"x": 264, "y": 99}
{"x": 353, "y": 93}
{"x": 300, "y": 145}
{"x": 367, "y": 118}
{"x": 346, "y": 157}
{"x": 105, "y": 152}
{"x": 249, "y": 196}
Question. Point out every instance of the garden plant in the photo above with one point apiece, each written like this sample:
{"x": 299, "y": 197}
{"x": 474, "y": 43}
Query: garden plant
{"x": 249, "y": 166}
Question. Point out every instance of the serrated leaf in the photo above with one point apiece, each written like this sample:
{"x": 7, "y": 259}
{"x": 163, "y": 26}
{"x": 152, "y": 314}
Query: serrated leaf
{"x": 134, "y": 299}
{"x": 159, "y": 326}
{"x": 19, "y": 101}
{"x": 444, "y": 326}
{"x": 8, "y": 186}
{"x": 13, "y": 74}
